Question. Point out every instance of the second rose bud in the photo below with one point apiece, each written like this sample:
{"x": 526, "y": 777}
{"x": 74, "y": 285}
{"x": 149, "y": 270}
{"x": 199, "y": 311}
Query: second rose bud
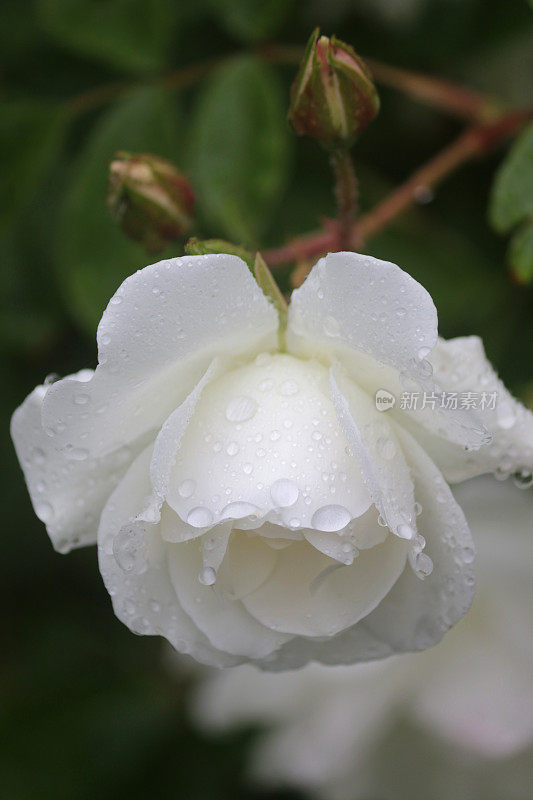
{"x": 150, "y": 199}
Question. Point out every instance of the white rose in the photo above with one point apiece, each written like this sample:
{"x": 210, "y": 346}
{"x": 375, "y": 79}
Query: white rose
{"x": 332, "y": 729}
{"x": 253, "y": 505}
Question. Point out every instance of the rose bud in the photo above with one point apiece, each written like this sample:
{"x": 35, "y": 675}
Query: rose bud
{"x": 152, "y": 202}
{"x": 333, "y": 97}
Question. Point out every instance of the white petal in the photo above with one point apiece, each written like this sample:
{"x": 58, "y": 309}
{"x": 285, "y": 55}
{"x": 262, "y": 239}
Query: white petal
{"x": 289, "y": 602}
{"x": 156, "y": 338}
{"x": 461, "y": 367}
{"x": 382, "y": 325}
{"x": 169, "y": 437}
{"x": 416, "y": 614}
{"x": 225, "y": 621}
{"x": 377, "y": 450}
{"x": 482, "y": 701}
{"x": 479, "y": 691}
{"x": 361, "y": 303}
{"x": 249, "y": 563}
{"x": 264, "y": 445}
{"x": 145, "y": 601}
{"x": 68, "y": 494}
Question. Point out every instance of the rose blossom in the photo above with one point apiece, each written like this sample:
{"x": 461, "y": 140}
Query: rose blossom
{"x": 254, "y": 505}
{"x": 330, "y": 728}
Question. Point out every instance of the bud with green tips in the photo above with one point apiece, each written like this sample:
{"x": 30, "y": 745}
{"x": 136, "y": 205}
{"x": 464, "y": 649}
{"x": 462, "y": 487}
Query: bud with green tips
{"x": 333, "y": 97}
{"x": 150, "y": 199}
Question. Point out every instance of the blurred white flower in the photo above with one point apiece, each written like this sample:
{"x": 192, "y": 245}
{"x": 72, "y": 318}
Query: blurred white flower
{"x": 474, "y": 691}
{"x": 255, "y": 505}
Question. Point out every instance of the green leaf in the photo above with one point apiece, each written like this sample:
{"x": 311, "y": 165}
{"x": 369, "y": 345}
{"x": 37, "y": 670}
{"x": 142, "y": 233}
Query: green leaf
{"x": 31, "y": 137}
{"x": 240, "y": 149}
{"x": 270, "y": 289}
{"x": 250, "y": 20}
{"x": 132, "y": 35}
{"x": 93, "y": 255}
{"x": 512, "y": 194}
{"x": 521, "y": 253}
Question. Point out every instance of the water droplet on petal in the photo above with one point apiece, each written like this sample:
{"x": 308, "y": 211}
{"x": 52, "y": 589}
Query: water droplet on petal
{"x": 186, "y": 488}
{"x": 330, "y": 518}
{"x": 200, "y": 517}
{"x": 523, "y": 479}
{"x": 331, "y": 326}
{"x": 423, "y": 565}
{"x": 405, "y": 531}
{"x": 207, "y": 576}
{"x": 239, "y": 509}
{"x": 506, "y": 416}
{"x": 288, "y": 388}
{"x": 45, "y": 512}
{"x": 284, "y": 493}
{"x": 424, "y": 352}
{"x": 129, "y": 549}
{"x": 241, "y": 409}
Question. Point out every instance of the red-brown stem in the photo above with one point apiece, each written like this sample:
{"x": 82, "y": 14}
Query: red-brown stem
{"x": 473, "y": 142}
{"x": 445, "y": 95}
{"x": 449, "y": 97}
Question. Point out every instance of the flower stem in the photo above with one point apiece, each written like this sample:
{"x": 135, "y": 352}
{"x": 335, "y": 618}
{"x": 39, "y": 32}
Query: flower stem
{"x": 345, "y": 194}
{"x": 475, "y": 141}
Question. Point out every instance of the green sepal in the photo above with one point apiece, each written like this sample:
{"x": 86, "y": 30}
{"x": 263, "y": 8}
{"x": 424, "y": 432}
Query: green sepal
{"x": 271, "y": 290}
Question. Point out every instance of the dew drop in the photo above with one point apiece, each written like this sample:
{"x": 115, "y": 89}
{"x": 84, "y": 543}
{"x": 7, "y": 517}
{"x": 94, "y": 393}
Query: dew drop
{"x": 77, "y": 454}
{"x": 241, "y": 409}
{"x": 468, "y": 555}
{"x": 405, "y": 531}
{"x": 239, "y": 509}
{"x": 187, "y": 487}
{"x": 38, "y": 456}
{"x": 523, "y": 479}
{"x": 331, "y": 326}
{"x": 506, "y": 416}
{"x": 130, "y": 552}
{"x": 45, "y": 512}
{"x": 423, "y": 565}
{"x": 200, "y": 517}
{"x": 288, "y": 388}
{"x": 232, "y": 449}
{"x": 284, "y": 493}
{"x": 423, "y": 352}
{"x": 330, "y": 518}
{"x": 207, "y": 576}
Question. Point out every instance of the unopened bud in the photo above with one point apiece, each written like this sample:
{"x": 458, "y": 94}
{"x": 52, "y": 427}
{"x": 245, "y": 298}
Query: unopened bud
{"x": 152, "y": 202}
{"x": 333, "y": 97}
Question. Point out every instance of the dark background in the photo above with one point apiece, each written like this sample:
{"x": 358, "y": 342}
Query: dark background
{"x": 87, "y": 708}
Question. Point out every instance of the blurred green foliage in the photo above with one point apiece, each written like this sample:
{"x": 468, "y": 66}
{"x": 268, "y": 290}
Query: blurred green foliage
{"x": 512, "y": 203}
{"x": 87, "y": 708}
